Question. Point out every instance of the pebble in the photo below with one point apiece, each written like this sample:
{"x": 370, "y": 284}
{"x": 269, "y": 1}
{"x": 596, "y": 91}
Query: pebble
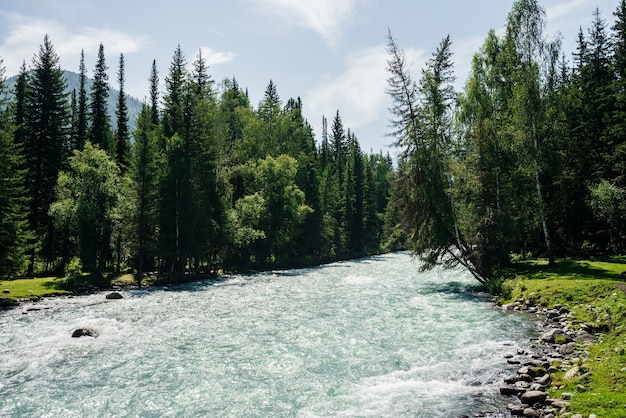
{"x": 554, "y": 352}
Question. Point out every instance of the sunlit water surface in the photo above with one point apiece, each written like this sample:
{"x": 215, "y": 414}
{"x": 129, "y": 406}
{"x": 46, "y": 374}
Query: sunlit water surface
{"x": 369, "y": 338}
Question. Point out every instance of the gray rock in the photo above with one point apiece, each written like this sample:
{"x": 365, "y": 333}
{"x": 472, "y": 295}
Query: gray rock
{"x": 544, "y": 380}
{"x": 572, "y": 373}
{"x": 567, "y": 348}
{"x": 567, "y": 396}
{"x": 552, "y": 315}
{"x": 114, "y": 295}
{"x": 554, "y": 334}
{"x": 509, "y": 391}
{"x": 584, "y": 336}
{"x": 6, "y": 291}
{"x": 510, "y": 380}
{"x": 531, "y": 412}
{"x": 534, "y": 396}
{"x": 560, "y": 404}
{"x": 84, "y": 332}
{"x": 516, "y": 410}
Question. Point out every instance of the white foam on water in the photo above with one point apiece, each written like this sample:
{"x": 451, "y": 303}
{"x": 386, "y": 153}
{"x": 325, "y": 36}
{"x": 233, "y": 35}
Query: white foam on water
{"x": 367, "y": 338}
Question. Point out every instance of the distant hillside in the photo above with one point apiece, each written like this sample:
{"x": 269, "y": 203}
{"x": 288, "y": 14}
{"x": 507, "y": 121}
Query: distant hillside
{"x": 73, "y": 82}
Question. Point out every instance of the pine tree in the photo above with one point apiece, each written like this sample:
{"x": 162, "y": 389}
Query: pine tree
{"x": 122, "y": 140}
{"x": 100, "y": 134}
{"x": 422, "y": 126}
{"x": 154, "y": 93}
{"x": 20, "y": 111}
{"x": 14, "y": 232}
{"x": 82, "y": 124}
{"x": 174, "y": 100}
{"x": 45, "y": 145}
{"x": 146, "y": 171}
{"x": 618, "y": 118}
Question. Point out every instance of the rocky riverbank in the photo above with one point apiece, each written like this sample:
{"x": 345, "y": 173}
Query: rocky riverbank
{"x": 561, "y": 349}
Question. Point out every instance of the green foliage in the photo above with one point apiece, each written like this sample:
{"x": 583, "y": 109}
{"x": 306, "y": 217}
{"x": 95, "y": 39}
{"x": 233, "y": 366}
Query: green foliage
{"x": 89, "y": 193}
{"x": 208, "y": 181}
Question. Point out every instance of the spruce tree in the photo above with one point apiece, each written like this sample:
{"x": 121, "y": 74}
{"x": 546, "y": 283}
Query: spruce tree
{"x": 46, "y": 145}
{"x": 13, "y": 204}
{"x": 174, "y": 100}
{"x": 100, "y": 134}
{"x": 618, "y": 117}
{"x": 154, "y": 94}
{"x": 122, "y": 138}
{"x": 82, "y": 123}
{"x": 146, "y": 171}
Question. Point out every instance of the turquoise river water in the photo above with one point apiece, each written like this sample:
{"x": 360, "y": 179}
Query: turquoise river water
{"x": 365, "y": 338}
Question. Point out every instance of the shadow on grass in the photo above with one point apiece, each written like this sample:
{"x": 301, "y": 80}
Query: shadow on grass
{"x": 581, "y": 270}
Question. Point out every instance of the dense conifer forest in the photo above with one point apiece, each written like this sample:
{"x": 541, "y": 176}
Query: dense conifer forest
{"x": 206, "y": 181}
{"x": 528, "y": 160}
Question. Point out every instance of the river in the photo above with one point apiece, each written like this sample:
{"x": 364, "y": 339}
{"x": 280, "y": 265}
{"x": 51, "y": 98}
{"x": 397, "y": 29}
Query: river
{"x": 368, "y": 338}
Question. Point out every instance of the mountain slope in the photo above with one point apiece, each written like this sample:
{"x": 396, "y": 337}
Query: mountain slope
{"x": 73, "y": 82}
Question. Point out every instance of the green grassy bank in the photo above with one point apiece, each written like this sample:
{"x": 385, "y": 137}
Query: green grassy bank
{"x": 38, "y": 287}
{"x": 595, "y": 295}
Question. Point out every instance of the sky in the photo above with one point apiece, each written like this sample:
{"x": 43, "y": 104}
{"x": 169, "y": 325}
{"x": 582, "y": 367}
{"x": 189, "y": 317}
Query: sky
{"x": 331, "y": 53}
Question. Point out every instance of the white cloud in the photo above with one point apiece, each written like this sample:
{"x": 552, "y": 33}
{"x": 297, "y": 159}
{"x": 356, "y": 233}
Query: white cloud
{"x": 360, "y": 92}
{"x": 464, "y": 52}
{"x": 25, "y": 35}
{"x": 564, "y": 9}
{"x": 214, "y": 57}
{"x": 324, "y": 17}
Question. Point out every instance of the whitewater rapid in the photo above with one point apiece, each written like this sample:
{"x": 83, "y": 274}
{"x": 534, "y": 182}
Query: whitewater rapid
{"x": 369, "y": 338}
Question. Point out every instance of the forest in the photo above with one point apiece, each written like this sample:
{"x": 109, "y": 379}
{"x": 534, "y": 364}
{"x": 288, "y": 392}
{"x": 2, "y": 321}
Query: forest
{"x": 206, "y": 182}
{"x": 528, "y": 160}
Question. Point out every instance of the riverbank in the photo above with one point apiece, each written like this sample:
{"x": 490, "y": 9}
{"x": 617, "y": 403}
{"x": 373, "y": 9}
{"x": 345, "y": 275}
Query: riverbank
{"x": 577, "y": 368}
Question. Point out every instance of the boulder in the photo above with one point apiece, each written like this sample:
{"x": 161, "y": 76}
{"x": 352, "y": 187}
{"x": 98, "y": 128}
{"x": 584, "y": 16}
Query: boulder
{"x": 571, "y": 373}
{"x": 555, "y": 334}
{"x": 584, "y": 336}
{"x": 84, "y": 332}
{"x": 114, "y": 295}
{"x": 544, "y": 380}
{"x": 534, "y": 396}
{"x": 567, "y": 348}
{"x": 560, "y": 404}
{"x": 509, "y": 391}
{"x": 532, "y": 412}
{"x": 516, "y": 410}
{"x": 6, "y": 291}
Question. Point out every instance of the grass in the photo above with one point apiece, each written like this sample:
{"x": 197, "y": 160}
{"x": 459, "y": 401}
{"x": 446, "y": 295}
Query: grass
{"x": 595, "y": 295}
{"x": 20, "y": 289}
{"x": 32, "y": 288}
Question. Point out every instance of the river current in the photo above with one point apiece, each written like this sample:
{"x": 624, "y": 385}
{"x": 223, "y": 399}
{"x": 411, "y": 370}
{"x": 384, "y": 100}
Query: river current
{"x": 366, "y": 338}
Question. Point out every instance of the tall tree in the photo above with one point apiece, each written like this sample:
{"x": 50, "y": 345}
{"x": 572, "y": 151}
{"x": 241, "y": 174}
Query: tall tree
{"x": 46, "y": 144}
{"x": 82, "y": 123}
{"x": 481, "y": 114}
{"x": 173, "y": 112}
{"x": 13, "y": 205}
{"x": 100, "y": 134}
{"x": 146, "y": 171}
{"x": 619, "y": 88}
{"x": 154, "y": 93}
{"x": 122, "y": 139}
{"x": 422, "y": 126}
{"x": 525, "y": 28}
